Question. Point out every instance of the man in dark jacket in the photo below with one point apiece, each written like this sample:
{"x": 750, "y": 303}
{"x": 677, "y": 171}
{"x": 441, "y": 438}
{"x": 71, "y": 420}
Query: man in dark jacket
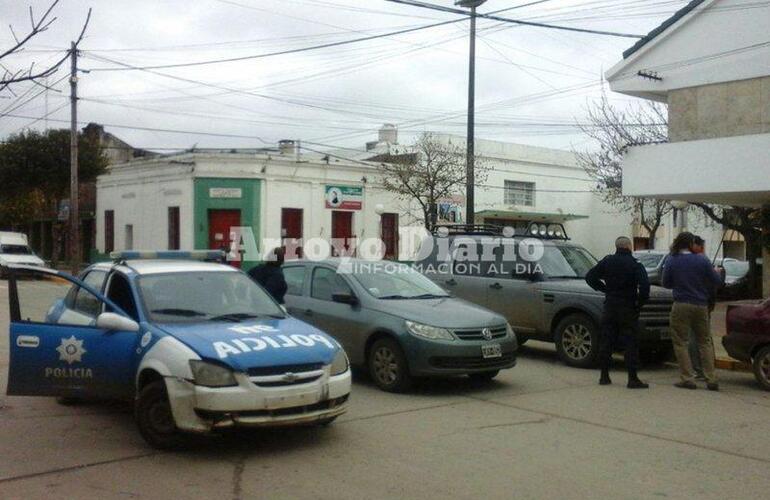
{"x": 626, "y": 288}
{"x": 270, "y": 275}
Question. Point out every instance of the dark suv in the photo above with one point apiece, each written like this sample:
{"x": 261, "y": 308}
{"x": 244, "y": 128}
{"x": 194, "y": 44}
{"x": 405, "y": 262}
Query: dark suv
{"x": 543, "y": 299}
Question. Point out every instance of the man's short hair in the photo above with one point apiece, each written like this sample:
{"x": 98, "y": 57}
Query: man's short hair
{"x": 623, "y": 242}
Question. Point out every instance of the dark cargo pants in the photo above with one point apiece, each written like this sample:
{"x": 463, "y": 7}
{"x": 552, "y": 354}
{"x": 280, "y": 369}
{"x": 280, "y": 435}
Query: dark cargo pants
{"x": 620, "y": 327}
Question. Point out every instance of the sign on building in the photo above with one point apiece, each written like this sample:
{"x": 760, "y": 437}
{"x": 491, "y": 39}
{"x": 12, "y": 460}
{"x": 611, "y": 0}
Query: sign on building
{"x": 225, "y": 193}
{"x": 344, "y": 197}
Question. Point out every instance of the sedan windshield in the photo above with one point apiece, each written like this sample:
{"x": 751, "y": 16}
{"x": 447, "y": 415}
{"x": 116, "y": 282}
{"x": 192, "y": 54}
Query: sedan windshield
{"x": 396, "y": 281}
{"x": 205, "y": 296}
{"x": 15, "y": 250}
{"x": 649, "y": 260}
{"x": 566, "y": 262}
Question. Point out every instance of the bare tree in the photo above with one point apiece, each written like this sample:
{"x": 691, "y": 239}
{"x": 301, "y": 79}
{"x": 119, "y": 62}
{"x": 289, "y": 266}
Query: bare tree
{"x": 427, "y": 172}
{"x": 31, "y": 73}
{"x": 615, "y": 130}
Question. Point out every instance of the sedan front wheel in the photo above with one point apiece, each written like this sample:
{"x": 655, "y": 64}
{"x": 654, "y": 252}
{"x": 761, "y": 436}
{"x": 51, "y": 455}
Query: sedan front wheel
{"x": 388, "y": 366}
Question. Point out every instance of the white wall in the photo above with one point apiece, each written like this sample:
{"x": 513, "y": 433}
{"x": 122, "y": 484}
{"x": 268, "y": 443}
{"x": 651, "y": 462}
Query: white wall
{"x": 141, "y": 197}
{"x": 674, "y": 53}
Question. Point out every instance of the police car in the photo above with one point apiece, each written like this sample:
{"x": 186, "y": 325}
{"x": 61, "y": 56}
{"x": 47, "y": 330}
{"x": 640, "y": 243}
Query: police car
{"x": 198, "y": 346}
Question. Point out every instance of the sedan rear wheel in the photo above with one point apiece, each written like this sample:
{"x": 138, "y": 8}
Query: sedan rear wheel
{"x": 388, "y": 366}
{"x": 577, "y": 341}
{"x": 762, "y": 367}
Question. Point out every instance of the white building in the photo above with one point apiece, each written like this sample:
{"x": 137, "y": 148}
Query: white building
{"x": 191, "y": 200}
{"x": 710, "y": 63}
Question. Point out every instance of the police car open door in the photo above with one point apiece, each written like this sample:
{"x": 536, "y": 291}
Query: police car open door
{"x": 61, "y": 341}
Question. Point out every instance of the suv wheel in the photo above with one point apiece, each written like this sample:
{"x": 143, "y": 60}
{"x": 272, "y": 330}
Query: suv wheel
{"x": 577, "y": 341}
{"x": 388, "y": 367}
{"x": 154, "y": 418}
{"x": 762, "y": 367}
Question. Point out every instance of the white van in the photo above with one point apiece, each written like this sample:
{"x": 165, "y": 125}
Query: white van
{"x": 14, "y": 249}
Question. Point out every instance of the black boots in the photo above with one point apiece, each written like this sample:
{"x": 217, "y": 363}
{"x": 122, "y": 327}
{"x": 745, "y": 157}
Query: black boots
{"x": 634, "y": 382}
{"x": 605, "y": 377}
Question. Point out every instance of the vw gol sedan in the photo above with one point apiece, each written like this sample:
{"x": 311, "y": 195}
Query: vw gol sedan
{"x": 397, "y": 323}
{"x": 197, "y": 346}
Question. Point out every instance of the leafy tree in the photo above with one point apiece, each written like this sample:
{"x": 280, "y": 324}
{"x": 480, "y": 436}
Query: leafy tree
{"x": 35, "y": 171}
{"x": 427, "y": 172}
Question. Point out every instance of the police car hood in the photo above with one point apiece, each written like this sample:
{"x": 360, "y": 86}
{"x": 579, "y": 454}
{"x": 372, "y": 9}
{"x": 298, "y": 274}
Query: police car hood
{"x": 256, "y": 343}
{"x": 579, "y": 286}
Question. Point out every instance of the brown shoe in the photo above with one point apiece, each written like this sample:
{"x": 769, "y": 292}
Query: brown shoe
{"x": 686, "y": 385}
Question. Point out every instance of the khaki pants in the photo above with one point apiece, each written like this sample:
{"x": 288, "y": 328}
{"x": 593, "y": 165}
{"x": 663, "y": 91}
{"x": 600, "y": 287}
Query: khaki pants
{"x": 684, "y": 319}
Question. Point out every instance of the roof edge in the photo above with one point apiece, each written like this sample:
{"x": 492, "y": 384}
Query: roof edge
{"x": 663, "y": 27}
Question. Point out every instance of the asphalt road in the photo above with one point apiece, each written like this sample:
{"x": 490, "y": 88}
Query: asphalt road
{"x": 541, "y": 430}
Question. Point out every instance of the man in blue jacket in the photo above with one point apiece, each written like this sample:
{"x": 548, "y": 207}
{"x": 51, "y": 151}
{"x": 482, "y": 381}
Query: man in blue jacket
{"x": 626, "y": 288}
{"x": 692, "y": 279}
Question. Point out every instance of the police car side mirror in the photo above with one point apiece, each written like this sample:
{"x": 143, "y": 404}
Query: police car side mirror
{"x": 115, "y": 322}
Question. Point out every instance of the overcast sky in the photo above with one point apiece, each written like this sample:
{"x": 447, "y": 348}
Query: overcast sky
{"x": 533, "y": 84}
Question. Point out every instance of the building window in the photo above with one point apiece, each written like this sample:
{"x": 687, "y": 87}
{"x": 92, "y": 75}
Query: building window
{"x": 173, "y": 228}
{"x": 519, "y": 193}
{"x": 109, "y": 231}
{"x": 129, "y": 237}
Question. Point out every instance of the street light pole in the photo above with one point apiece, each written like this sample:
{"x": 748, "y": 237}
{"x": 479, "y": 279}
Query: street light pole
{"x": 470, "y": 212}
{"x": 74, "y": 222}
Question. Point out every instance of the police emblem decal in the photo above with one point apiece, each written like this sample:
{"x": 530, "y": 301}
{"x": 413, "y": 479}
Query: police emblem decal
{"x": 71, "y": 350}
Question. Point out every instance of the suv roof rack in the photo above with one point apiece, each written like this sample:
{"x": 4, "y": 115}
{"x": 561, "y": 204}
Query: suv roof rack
{"x": 543, "y": 231}
{"x": 448, "y": 229}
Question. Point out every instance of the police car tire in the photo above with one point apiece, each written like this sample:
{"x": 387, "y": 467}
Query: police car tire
{"x": 403, "y": 379}
{"x": 580, "y": 321}
{"x": 153, "y": 397}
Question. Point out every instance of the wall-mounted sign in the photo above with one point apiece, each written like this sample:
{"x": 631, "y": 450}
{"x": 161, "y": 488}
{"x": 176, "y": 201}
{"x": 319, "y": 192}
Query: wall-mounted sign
{"x": 225, "y": 193}
{"x": 345, "y": 197}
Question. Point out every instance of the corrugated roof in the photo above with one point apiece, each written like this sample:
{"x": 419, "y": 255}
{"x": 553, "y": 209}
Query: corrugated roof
{"x": 663, "y": 27}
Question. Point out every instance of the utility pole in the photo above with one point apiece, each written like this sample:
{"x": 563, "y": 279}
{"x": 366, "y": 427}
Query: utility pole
{"x": 470, "y": 181}
{"x": 74, "y": 232}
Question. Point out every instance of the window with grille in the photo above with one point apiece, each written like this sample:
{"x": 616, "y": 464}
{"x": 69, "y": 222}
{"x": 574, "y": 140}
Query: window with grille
{"x": 520, "y": 193}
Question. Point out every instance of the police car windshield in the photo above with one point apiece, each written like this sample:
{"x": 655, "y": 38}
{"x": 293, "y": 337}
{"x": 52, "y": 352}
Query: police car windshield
{"x": 202, "y": 296}
{"x": 395, "y": 281}
{"x": 561, "y": 261}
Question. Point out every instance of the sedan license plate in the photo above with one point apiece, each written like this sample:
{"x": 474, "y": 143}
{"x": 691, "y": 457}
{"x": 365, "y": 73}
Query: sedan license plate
{"x": 491, "y": 351}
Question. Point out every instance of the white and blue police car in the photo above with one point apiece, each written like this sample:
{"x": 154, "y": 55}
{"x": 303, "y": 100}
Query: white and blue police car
{"x": 198, "y": 346}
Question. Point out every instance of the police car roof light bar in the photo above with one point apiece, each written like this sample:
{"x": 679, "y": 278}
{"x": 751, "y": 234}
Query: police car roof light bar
{"x": 202, "y": 255}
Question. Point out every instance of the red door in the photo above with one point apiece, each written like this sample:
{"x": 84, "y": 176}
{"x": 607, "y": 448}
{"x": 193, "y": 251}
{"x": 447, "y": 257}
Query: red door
{"x": 342, "y": 234}
{"x": 389, "y": 235}
{"x": 291, "y": 232}
{"x": 220, "y": 234}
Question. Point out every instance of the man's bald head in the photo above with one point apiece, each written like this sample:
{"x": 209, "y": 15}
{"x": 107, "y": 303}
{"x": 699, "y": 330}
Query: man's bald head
{"x": 623, "y": 243}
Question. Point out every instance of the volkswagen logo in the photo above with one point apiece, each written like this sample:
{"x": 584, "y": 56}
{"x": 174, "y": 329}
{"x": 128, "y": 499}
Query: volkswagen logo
{"x": 486, "y": 333}
{"x": 290, "y": 377}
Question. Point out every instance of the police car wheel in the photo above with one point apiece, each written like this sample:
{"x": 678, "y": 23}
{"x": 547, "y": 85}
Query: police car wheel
{"x": 577, "y": 341}
{"x": 483, "y": 377}
{"x": 154, "y": 418}
{"x": 388, "y": 367}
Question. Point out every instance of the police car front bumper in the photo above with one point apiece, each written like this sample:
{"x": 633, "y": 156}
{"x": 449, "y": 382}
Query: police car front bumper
{"x": 203, "y": 409}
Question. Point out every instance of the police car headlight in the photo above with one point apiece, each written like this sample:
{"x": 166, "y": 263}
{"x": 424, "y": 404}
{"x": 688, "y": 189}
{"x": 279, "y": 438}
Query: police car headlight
{"x": 428, "y": 332}
{"x": 211, "y": 375}
{"x": 512, "y": 334}
{"x": 340, "y": 364}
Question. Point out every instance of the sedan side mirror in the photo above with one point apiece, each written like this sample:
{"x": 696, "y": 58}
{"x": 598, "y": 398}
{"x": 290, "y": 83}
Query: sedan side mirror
{"x": 345, "y": 298}
{"x": 115, "y": 322}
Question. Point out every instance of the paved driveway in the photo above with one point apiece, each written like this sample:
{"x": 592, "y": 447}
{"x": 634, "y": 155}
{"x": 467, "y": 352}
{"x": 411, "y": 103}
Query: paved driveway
{"x": 541, "y": 430}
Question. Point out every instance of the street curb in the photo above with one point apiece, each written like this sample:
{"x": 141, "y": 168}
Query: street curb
{"x": 724, "y": 364}
{"x": 732, "y": 364}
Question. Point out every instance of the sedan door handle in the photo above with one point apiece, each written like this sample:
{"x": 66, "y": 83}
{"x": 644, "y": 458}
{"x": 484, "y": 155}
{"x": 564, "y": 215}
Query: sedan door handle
{"x": 308, "y": 312}
{"x": 450, "y": 282}
{"x": 496, "y": 286}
